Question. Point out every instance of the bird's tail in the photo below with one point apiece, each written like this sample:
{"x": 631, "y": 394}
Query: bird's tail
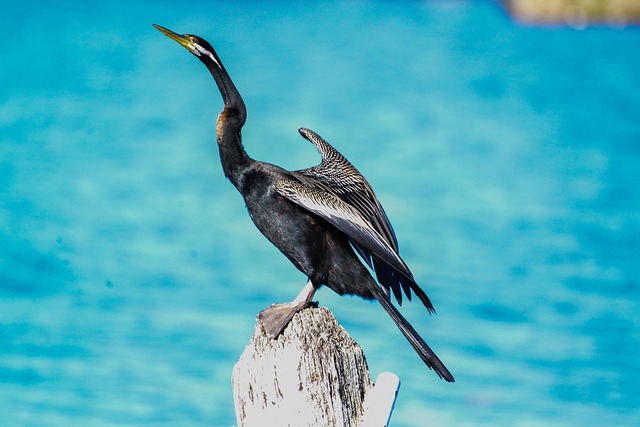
{"x": 421, "y": 347}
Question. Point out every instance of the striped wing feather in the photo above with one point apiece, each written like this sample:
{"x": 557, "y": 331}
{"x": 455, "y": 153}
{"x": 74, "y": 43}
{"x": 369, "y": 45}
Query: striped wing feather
{"x": 336, "y": 191}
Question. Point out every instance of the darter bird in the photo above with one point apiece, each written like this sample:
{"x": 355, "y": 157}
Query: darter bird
{"x": 326, "y": 219}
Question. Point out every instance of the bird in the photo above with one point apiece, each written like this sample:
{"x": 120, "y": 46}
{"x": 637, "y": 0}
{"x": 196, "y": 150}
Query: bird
{"x": 325, "y": 219}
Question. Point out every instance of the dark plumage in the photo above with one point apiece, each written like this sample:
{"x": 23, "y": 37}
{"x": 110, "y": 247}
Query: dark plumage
{"x": 320, "y": 218}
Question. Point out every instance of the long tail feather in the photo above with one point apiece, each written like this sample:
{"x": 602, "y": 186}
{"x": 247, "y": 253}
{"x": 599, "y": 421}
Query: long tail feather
{"x": 421, "y": 347}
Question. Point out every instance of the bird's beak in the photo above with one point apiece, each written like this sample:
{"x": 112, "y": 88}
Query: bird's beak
{"x": 184, "y": 41}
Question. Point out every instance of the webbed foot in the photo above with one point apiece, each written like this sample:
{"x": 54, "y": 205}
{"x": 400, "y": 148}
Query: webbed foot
{"x": 276, "y": 317}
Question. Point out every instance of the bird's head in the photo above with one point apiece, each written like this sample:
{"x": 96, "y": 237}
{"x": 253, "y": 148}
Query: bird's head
{"x": 194, "y": 44}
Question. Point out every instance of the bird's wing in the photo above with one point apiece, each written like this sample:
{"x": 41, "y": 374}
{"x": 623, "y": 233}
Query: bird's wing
{"x": 345, "y": 217}
{"x": 337, "y": 191}
{"x": 348, "y": 184}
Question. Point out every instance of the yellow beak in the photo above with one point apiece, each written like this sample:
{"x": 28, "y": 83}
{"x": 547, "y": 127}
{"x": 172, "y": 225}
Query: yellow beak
{"x": 184, "y": 41}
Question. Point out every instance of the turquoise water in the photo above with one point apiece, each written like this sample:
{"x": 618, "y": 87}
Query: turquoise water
{"x": 506, "y": 157}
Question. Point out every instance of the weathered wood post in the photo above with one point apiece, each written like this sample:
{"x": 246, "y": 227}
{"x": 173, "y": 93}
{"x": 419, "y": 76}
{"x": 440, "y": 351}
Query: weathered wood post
{"x": 313, "y": 374}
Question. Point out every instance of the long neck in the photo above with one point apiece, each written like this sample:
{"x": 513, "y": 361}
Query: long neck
{"x": 235, "y": 161}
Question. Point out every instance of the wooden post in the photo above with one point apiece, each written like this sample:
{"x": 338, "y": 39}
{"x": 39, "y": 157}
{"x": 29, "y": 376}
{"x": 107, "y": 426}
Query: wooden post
{"x": 313, "y": 374}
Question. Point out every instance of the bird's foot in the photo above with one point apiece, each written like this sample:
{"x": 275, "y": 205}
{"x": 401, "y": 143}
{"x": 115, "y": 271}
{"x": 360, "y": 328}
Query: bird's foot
{"x": 276, "y": 317}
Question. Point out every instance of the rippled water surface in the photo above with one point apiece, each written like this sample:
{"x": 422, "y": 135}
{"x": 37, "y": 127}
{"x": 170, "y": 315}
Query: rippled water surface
{"x": 506, "y": 156}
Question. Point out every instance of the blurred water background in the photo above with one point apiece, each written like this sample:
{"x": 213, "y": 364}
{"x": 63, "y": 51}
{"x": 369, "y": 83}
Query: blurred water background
{"x": 506, "y": 155}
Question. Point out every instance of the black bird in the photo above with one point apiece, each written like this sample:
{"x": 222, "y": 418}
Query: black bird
{"x": 321, "y": 218}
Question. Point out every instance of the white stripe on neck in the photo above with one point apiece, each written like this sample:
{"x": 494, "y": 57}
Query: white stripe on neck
{"x": 199, "y": 50}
